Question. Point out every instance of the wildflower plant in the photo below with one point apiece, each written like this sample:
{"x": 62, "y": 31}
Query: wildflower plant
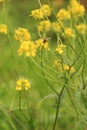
{"x": 62, "y": 62}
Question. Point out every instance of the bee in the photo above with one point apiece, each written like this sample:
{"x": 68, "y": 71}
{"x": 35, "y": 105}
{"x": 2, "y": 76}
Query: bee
{"x": 46, "y": 39}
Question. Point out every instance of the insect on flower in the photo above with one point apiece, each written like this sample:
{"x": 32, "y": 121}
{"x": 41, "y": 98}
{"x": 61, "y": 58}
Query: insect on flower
{"x": 46, "y": 39}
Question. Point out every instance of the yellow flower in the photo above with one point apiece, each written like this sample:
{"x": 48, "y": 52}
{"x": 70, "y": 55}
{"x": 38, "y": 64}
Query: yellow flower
{"x": 22, "y": 84}
{"x": 63, "y": 14}
{"x": 46, "y": 10}
{"x": 22, "y": 34}
{"x": 44, "y": 26}
{"x": 57, "y": 65}
{"x": 42, "y": 44}
{"x": 27, "y": 47}
{"x": 81, "y": 28}
{"x": 37, "y": 14}
{"x": 41, "y": 12}
{"x": 66, "y": 67}
{"x": 76, "y": 9}
{"x": 3, "y": 28}
{"x": 56, "y": 26}
{"x": 69, "y": 32}
{"x": 60, "y": 49}
{"x": 72, "y": 69}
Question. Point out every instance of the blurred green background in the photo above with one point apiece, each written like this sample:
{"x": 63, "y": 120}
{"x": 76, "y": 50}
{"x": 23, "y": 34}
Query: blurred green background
{"x": 15, "y": 13}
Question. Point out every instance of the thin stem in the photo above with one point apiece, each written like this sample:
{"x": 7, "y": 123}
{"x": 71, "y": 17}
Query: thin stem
{"x": 19, "y": 99}
{"x": 39, "y": 3}
{"x": 58, "y": 105}
{"x": 44, "y": 75}
{"x": 20, "y": 106}
{"x": 9, "y": 38}
{"x": 70, "y": 97}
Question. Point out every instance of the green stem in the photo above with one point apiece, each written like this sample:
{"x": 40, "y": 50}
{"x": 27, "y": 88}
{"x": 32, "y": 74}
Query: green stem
{"x": 44, "y": 75}
{"x": 58, "y": 105}
{"x": 70, "y": 97}
{"x": 20, "y": 106}
{"x": 39, "y": 3}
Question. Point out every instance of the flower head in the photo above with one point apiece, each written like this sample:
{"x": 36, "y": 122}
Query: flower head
{"x": 44, "y": 26}
{"x": 22, "y": 84}
{"x": 60, "y": 49}
{"x": 66, "y": 67}
{"x": 28, "y": 48}
{"x": 41, "y": 12}
{"x": 56, "y": 26}
{"x": 22, "y": 34}
{"x": 42, "y": 44}
{"x": 76, "y": 9}
{"x": 3, "y": 28}
{"x": 81, "y": 28}
{"x": 37, "y": 14}
{"x": 68, "y": 32}
{"x": 63, "y": 14}
{"x": 46, "y": 10}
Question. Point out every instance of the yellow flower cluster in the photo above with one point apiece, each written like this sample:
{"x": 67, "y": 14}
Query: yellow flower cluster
{"x": 82, "y": 28}
{"x": 22, "y": 34}
{"x": 37, "y": 14}
{"x": 46, "y": 10}
{"x": 28, "y": 48}
{"x": 76, "y": 9}
{"x": 60, "y": 49}
{"x": 3, "y": 28}
{"x": 56, "y": 26}
{"x": 42, "y": 44}
{"x": 67, "y": 67}
{"x": 64, "y": 67}
{"x": 22, "y": 84}
{"x": 68, "y": 32}
{"x": 44, "y": 26}
{"x": 63, "y": 14}
{"x": 42, "y": 12}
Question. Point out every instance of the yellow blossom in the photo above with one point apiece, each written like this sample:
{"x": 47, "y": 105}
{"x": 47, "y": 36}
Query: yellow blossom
{"x": 46, "y": 10}
{"x": 42, "y": 44}
{"x": 81, "y": 28}
{"x": 28, "y": 48}
{"x": 69, "y": 32}
{"x": 37, "y": 14}
{"x": 44, "y": 26}
{"x": 72, "y": 69}
{"x": 22, "y": 84}
{"x": 66, "y": 67}
{"x": 76, "y": 9}
{"x": 41, "y": 12}
{"x": 60, "y": 49}
{"x": 56, "y": 26}
{"x": 22, "y": 34}
{"x": 57, "y": 65}
{"x": 63, "y": 14}
{"x": 3, "y": 28}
